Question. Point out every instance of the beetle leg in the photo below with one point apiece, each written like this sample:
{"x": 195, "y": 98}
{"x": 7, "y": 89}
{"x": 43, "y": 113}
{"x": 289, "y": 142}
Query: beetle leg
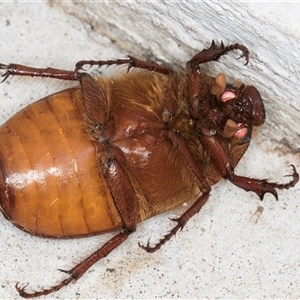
{"x": 261, "y": 187}
{"x": 21, "y": 70}
{"x": 181, "y": 221}
{"x": 220, "y": 158}
{"x": 213, "y": 53}
{"x": 111, "y": 158}
{"x": 180, "y": 143}
{"x": 79, "y": 269}
{"x": 131, "y": 61}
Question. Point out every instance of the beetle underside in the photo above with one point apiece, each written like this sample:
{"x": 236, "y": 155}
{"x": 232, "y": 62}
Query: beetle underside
{"x": 187, "y": 133}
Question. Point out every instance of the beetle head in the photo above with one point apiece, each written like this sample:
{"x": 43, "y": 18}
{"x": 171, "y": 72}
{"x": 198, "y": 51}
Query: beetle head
{"x": 241, "y": 108}
{"x": 243, "y": 105}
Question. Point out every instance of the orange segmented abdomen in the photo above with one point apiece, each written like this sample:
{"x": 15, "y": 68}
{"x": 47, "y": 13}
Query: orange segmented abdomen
{"x": 50, "y": 183}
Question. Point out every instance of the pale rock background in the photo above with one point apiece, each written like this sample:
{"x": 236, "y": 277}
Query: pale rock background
{"x": 225, "y": 251}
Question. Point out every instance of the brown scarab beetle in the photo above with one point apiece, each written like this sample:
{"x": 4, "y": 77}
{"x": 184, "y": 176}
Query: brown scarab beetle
{"x": 113, "y": 152}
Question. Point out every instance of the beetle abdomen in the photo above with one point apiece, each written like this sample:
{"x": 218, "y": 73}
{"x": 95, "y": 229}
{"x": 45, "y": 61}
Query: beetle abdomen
{"x": 42, "y": 190}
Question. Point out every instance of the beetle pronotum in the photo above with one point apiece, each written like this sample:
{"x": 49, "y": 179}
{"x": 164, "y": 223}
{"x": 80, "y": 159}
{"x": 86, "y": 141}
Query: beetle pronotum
{"x": 113, "y": 152}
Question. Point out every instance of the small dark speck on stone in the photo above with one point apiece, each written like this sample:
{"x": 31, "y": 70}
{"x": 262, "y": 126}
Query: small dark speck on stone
{"x": 7, "y": 22}
{"x": 110, "y": 270}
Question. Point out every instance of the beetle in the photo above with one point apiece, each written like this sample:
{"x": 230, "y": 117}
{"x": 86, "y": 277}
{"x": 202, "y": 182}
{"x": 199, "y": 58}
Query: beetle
{"x": 114, "y": 151}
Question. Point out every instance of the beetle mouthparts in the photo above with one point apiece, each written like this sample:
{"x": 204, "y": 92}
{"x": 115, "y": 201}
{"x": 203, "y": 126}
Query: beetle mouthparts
{"x": 219, "y": 85}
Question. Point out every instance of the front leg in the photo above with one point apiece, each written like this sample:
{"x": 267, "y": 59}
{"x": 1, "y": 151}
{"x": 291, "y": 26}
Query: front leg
{"x": 220, "y": 159}
{"x": 213, "y": 53}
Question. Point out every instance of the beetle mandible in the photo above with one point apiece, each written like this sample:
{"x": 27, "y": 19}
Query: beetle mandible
{"x": 113, "y": 152}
